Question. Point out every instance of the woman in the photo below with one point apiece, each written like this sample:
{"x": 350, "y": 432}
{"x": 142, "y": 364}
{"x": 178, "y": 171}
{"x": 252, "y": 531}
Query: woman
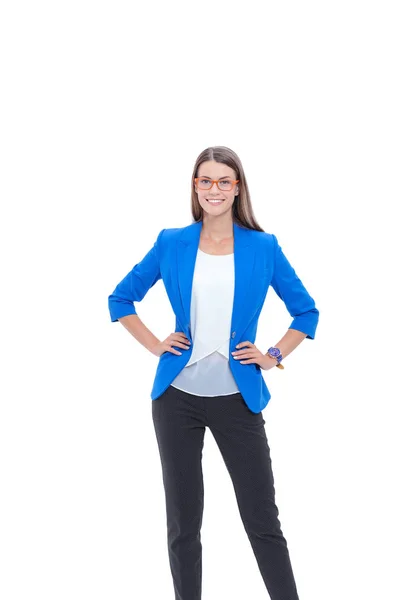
{"x": 216, "y": 272}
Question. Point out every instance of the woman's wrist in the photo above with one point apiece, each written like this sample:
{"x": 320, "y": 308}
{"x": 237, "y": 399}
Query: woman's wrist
{"x": 273, "y": 361}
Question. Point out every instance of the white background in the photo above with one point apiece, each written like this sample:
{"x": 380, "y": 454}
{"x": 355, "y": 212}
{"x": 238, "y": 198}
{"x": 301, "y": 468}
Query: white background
{"x": 104, "y": 109}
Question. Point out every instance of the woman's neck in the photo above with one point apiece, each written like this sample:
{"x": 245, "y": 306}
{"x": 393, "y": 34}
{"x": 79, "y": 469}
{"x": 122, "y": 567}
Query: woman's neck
{"x": 217, "y": 231}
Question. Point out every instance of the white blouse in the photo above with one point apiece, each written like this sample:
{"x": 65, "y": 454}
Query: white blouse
{"x": 208, "y": 372}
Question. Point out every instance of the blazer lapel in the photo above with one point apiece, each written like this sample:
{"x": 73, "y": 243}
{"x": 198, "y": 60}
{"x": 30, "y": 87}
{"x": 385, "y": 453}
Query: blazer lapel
{"x": 244, "y": 258}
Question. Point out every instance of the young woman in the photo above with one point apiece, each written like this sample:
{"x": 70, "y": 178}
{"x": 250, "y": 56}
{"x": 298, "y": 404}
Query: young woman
{"x": 216, "y": 272}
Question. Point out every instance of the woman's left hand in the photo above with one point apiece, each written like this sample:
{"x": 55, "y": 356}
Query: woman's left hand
{"x": 253, "y": 354}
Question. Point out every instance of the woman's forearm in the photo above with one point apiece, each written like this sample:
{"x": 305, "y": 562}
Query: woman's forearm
{"x": 290, "y": 341}
{"x": 139, "y": 331}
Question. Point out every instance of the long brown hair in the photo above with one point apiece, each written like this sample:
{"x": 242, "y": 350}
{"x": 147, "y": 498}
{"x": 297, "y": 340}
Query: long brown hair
{"x": 242, "y": 210}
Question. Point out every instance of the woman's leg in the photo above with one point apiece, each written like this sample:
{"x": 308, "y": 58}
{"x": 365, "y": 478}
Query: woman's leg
{"x": 179, "y": 428}
{"x": 241, "y": 438}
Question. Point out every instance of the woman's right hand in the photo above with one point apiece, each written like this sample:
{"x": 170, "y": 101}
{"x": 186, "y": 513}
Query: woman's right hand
{"x": 176, "y": 338}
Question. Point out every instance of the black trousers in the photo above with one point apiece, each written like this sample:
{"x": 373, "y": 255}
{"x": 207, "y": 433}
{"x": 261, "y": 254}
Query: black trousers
{"x": 179, "y": 421}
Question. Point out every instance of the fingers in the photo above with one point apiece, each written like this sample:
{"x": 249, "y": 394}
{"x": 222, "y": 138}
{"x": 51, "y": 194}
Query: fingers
{"x": 248, "y": 355}
{"x": 242, "y": 357}
{"x": 180, "y": 345}
{"x": 179, "y": 335}
{"x": 171, "y": 349}
{"x": 180, "y": 340}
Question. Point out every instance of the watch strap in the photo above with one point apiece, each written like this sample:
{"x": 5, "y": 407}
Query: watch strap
{"x": 276, "y": 353}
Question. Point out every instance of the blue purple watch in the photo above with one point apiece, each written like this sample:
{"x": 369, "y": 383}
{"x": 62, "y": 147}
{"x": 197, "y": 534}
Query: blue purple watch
{"x": 276, "y": 353}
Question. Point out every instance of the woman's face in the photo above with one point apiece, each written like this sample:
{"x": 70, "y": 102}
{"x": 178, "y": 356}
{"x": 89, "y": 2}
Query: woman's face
{"x": 215, "y": 170}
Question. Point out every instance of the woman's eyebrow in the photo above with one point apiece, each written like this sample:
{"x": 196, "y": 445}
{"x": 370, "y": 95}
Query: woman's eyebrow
{"x": 223, "y": 177}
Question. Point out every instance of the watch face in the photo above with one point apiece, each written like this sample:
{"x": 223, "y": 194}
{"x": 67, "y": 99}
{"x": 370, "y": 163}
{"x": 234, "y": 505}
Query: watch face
{"x": 274, "y": 351}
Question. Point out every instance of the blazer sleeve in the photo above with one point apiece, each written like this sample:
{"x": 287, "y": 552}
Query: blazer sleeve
{"x": 289, "y": 287}
{"x": 135, "y": 285}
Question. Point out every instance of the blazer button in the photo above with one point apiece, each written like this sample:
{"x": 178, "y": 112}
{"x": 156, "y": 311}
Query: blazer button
{"x": 233, "y": 334}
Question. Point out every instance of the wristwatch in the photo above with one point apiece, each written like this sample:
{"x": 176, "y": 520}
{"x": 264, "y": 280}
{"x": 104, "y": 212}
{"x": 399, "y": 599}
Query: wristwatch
{"x": 276, "y": 353}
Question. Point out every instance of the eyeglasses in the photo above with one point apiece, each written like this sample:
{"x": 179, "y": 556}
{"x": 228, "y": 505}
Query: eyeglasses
{"x": 225, "y": 185}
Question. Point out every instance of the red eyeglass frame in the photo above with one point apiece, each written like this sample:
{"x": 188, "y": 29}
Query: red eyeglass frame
{"x": 213, "y": 181}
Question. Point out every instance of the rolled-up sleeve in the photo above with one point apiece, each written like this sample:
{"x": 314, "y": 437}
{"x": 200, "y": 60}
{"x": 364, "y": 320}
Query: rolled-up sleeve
{"x": 289, "y": 287}
{"x": 135, "y": 285}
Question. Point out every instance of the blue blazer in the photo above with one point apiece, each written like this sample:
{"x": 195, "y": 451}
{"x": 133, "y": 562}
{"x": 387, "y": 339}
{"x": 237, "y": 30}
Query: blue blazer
{"x": 258, "y": 261}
